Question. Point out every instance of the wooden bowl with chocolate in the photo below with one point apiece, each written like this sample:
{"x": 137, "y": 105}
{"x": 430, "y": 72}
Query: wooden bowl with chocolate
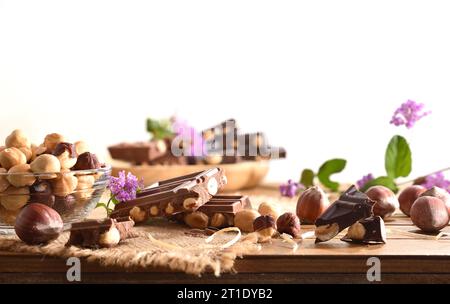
{"x": 245, "y": 157}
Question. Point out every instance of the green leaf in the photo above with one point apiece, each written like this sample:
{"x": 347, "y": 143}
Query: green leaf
{"x": 103, "y": 205}
{"x": 398, "y": 160}
{"x": 307, "y": 178}
{"x": 381, "y": 181}
{"x": 114, "y": 201}
{"x": 330, "y": 167}
{"x": 159, "y": 129}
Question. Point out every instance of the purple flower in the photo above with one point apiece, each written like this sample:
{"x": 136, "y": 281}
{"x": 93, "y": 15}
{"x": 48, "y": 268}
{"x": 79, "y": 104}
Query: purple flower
{"x": 196, "y": 144}
{"x": 290, "y": 189}
{"x": 408, "y": 114}
{"x": 124, "y": 187}
{"x": 364, "y": 180}
{"x": 437, "y": 180}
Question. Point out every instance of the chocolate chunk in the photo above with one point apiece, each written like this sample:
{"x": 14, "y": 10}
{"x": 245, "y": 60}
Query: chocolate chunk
{"x": 172, "y": 196}
{"x": 141, "y": 152}
{"x": 86, "y": 161}
{"x": 367, "y": 231}
{"x": 63, "y": 147}
{"x": 351, "y": 207}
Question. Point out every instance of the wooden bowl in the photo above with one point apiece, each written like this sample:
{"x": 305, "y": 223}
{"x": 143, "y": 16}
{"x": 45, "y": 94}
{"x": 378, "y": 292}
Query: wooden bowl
{"x": 243, "y": 175}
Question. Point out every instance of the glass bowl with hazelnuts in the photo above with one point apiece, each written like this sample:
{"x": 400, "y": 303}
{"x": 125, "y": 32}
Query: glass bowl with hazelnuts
{"x": 62, "y": 175}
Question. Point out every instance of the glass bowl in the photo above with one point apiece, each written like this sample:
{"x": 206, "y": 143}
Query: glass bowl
{"x": 73, "y": 194}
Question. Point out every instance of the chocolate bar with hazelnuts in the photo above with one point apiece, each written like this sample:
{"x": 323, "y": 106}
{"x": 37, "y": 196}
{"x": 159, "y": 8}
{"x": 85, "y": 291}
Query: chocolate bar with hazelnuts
{"x": 169, "y": 197}
{"x": 367, "y": 231}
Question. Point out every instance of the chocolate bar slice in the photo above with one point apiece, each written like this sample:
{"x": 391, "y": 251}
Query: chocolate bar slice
{"x": 218, "y": 212}
{"x": 351, "y": 207}
{"x": 100, "y": 233}
{"x": 140, "y": 152}
{"x": 172, "y": 196}
{"x": 367, "y": 231}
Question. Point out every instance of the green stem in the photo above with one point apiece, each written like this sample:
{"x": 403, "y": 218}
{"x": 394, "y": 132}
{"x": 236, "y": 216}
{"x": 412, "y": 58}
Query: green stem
{"x": 107, "y": 206}
{"x": 412, "y": 181}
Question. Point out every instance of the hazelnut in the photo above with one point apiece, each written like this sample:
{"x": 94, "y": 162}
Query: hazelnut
{"x": 154, "y": 210}
{"x": 385, "y": 201}
{"x": 2, "y": 148}
{"x": 289, "y": 223}
{"x": 65, "y": 152}
{"x": 356, "y": 231}
{"x": 17, "y": 139}
{"x": 110, "y": 238}
{"x": 440, "y": 193}
{"x": 213, "y": 159}
{"x": 429, "y": 214}
{"x": 41, "y": 192}
{"x": 311, "y": 204}
{"x": 86, "y": 161}
{"x": 85, "y": 182}
{"x": 265, "y": 226}
{"x": 81, "y": 147}
{"x": 46, "y": 163}
{"x": 161, "y": 146}
{"x": 218, "y": 220}
{"x": 37, "y": 224}
{"x": 14, "y": 198}
{"x": 408, "y": 196}
{"x": 4, "y": 184}
{"x": 190, "y": 203}
{"x": 138, "y": 215}
{"x": 7, "y": 217}
{"x": 37, "y": 150}
{"x": 27, "y": 152}
{"x": 269, "y": 209}
{"x": 64, "y": 204}
{"x": 11, "y": 157}
{"x": 169, "y": 209}
{"x": 64, "y": 184}
{"x": 51, "y": 140}
{"x": 21, "y": 176}
{"x": 326, "y": 232}
{"x": 244, "y": 219}
{"x": 197, "y": 220}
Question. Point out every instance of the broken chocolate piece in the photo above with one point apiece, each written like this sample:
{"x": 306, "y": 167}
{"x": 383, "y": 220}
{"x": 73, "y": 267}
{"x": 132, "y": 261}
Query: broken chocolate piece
{"x": 351, "y": 207}
{"x": 99, "y": 233}
{"x": 172, "y": 196}
{"x": 367, "y": 231}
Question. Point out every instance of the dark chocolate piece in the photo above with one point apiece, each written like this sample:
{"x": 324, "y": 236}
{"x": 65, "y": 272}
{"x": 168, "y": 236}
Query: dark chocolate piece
{"x": 86, "y": 161}
{"x": 63, "y": 147}
{"x": 91, "y": 233}
{"x": 172, "y": 196}
{"x": 367, "y": 231}
{"x": 141, "y": 152}
{"x": 351, "y": 207}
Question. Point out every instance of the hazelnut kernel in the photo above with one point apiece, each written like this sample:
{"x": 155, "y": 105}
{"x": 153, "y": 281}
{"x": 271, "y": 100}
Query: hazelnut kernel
{"x": 169, "y": 209}
{"x": 109, "y": 238}
{"x": 21, "y": 176}
{"x": 138, "y": 215}
{"x": 154, "y": 210}
{"x": 46, "y": 163}
{"x": 264, "y": 225}
{"x": 197, "y": 220}
{"x": 244, "y": 219}
{"x": 64, "y": 184}
{"x": 4, "y": 184}
{"x": 189, "y": 203}
{"x": 11, "y": 157}
{"x": 269, "y": 209}
{"x": 15, "y": 198}
{"x": 27, "y": 152}
{"x": 17, "y": 139}
{"x": 81, "y": 147}
{"x": 326, "y": 232}
{"x": 65, "y": 152}
{"x": 51, "y": 140}
{"x": 218, "y": 220}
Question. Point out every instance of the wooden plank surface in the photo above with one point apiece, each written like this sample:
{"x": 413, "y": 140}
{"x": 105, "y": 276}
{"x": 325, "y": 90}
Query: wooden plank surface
{"x": 408, "y": 256}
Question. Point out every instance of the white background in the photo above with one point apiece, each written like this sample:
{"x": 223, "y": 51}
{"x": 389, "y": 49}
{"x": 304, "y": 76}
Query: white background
{"x": 321, "y": 78}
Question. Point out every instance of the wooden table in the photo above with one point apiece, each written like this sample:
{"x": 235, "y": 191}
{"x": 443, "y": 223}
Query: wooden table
{"x": 408, "y": 257}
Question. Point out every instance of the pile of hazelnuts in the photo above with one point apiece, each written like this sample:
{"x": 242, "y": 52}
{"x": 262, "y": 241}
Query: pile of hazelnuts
{"x": 44, "y": 174}
{"x": 429, "y": 209}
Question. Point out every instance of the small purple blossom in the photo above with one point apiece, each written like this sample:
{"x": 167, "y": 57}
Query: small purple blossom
{"x": 290, "y": 189}
{"x": 189, "y": 135}
{"x": 408, "y": 114}
{"x": 364, "y": 180}
{"x": 437, "y": 180}
{"x": 124, "y": 187}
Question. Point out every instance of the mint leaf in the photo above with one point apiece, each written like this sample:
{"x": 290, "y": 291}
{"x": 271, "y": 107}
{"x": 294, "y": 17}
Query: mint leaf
{"x": 307, "y": 178}
{"x": 159, "y": 129}
{"x": 398, "y": 160}
{"x": 101, "y": 205}
{"x": 330, "y": 167}
{"x": 381, "y": 181}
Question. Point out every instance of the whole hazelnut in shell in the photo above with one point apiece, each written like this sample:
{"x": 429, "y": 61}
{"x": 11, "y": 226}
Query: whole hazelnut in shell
{"x": 311, "y": 204}
{"x": 408, "y": 196}
{"x": 289, "y": 223}
{"x": 11, "y": 157}
{"x": 429, "y": 214}
{"x": 17, "y": 139}
{"x": 14, "y": 198}
{"x": 38, "y": 224}
{"x": 21, "y": 176}
{"x": 385, "y": 200}
{"x": 244, "y": 219}
{"x": 439, "y": 193}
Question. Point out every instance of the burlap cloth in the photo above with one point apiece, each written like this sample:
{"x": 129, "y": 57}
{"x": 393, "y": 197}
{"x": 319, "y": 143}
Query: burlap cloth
{"x": 159, "y": 244}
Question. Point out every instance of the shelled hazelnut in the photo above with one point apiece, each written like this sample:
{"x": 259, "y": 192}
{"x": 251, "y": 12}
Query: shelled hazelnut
{"x": 408, "y": 196}
{"x": 244, "y": 219}
{"x": 289, "y": 223}
{"x": 66, "y": 154}
{"x": 269, "y": 209}
{"x": 265, "y": 227}
{"x": 81, "y": 147}
{"x": 27, "y": 152}
{"x": 21, "y": 176}
{"x": 11, "y": 157}
{"x": 7, "y": 217}
{"x": 46, "y": 163}
{"x": 64, "y": 184}
{"x": 15, "y": 198}
{"x": 17, "y": 139}
{"x": 386, "y": 201}
{"x": 51, "y": 140}
{"x": 4, "y": 184}
{"x": 197, "y": 220}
